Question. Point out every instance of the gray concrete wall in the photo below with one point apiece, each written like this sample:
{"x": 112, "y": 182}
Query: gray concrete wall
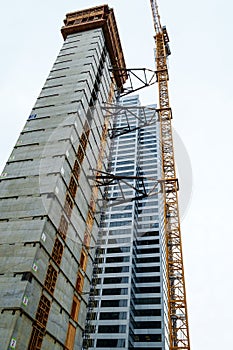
{"x": 33, "y": 188}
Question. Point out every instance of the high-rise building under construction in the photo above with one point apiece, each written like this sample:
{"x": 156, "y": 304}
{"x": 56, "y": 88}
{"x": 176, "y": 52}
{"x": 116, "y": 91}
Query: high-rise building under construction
{"x": 130, "y": 310}
{"x": 90, "y": 245}
{"x": 48, "y": 205}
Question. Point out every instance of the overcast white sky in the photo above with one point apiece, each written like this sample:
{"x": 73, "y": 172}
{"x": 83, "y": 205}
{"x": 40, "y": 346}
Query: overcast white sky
{"x": 201, "y": 97}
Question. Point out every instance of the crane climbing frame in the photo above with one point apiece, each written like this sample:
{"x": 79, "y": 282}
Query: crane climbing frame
{"x": 177, "y": 306}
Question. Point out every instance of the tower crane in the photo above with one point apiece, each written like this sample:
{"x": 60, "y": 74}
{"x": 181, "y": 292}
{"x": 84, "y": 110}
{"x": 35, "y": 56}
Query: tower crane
{"x": 176, "y": 295}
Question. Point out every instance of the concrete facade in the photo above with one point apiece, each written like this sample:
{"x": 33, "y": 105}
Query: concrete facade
{"x": 47, "y": 219}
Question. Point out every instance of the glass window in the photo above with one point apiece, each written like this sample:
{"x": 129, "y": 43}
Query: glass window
{"x": 121, "y": 231}
{"x": 147, "y": 269}
{"x": 148, "y": 338}
{"x": 150, "y": 234}
{"x": 145, "y": 290}
{"x": 110, "y": 343}
{"x": 116, "y": 280}
{"x": 147, "y": 301}
{"x": 149, "y": 279}
{"x": 149, "y": 202}
{"x": 119, "y": 240}
{"x": 121, "y": 215}
{"x": 115, "y": 291}
{"x": 147, "y": 312}
{"x": 112, "y": 329}
{"x": 148, "y": 251}
{"x": 123, "y": 168}
{"x": 148, "y": 325}
{"x": 124, "y": 173}
{"x": 113, "y": 315}
{"x": 148, "y": 260}
{"x": 114, "y": 303}
{"x": 117, "y": 259}
{"x": 151, "y": 225}
{"x": 120, "y": 223}
{"x": 120, "y": 207}
{"x": 150, "y": 210}
{"x": 118, "y": 250}
{"x": 116, "y": 269}
{"x": 147, "y": 241}
{"x": 148, "y": 218}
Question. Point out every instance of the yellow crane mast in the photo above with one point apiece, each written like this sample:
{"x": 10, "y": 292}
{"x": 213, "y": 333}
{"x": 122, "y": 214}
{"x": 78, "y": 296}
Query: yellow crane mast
{"x": 177, "y": 307}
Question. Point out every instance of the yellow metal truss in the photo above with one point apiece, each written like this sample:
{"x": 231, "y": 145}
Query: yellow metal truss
{"x": 177, "y": 307}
